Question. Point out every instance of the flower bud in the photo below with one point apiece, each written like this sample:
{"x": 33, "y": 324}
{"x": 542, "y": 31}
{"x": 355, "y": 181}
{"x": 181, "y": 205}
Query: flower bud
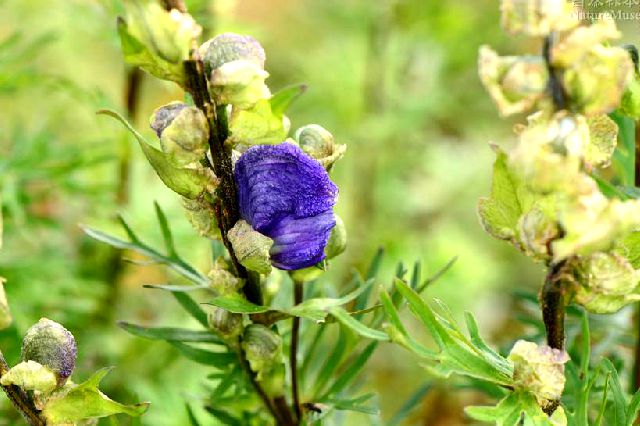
{"x": 50, "y": 344}
{"x": 317, "y": 142}
{"x": 201, "y": 216}
{"x": 229, "y": 47}
{"x": 515, "y": 84}
{"x": 251, "y": 247}
{"x": 539, "y": 370}
{"x": 263, "y": 348}
{"x": 537, "y": 229}
{"x": 224, "y": 282}
{"x": 183, "y": 132}
{"x": 337, "y": 240}
{"x": 607, "y": 282}
{"x": 538, "y": 17}
{"x": 227, "y": 324}
{"x": 167, "y": 34}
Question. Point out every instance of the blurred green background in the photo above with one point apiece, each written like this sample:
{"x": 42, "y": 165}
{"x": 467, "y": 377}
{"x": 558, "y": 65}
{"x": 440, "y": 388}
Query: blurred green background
{"x": 393, "y": 79}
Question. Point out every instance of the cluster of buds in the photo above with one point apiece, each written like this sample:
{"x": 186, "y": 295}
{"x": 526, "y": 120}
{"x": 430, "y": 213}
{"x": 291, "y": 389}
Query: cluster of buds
{"x": 545, "y": 199}
{"x": 284, "y": 195}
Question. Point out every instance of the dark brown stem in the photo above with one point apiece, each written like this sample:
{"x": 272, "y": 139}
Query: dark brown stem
{"x": 20, "y": 400}
{"x": 552, "y": 303}
{"x": 174, "y": 4}
{"x": 226, "y": 207}
{"x": 555, "y": 87}
{"x": 298, "y": 296}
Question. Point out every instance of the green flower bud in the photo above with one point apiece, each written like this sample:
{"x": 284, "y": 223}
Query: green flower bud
{"x": 316, "y": 141}
{"x": 239, "y": 83}
{"x": 514, "y": 83}
{"x": 201, "y": 216}
{"x": 229, "y": 47}
{"x": 606, "y": 283}
{"x": 539, "y": 370}
{"x": 50, "y": 344}
{"x": 167, "y": 34}
{"x": 251, "y": 247}
{"x": 227, "y": 324}
{"x": 183, "y": 132}
{"x": 223, "y": 281}
{"x": 262, "y": 347}
{"x": 538, "y": 228}
{"x": 337, "y": 240}
{"x": 538, "y": 17}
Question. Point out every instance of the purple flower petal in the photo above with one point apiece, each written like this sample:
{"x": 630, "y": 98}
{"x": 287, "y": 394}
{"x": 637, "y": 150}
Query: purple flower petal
{"x": 288, "y": 196}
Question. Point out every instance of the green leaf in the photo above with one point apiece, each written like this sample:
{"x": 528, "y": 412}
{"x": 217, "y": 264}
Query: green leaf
{"x": 282, "y": 99}
{"x": 351, "y": 372}
{"x": 237, "y": 304}
{"x": 216, "y": 359}
{"x": 354, "y": 404}
{"x": 372, "y": 273}
{"x": 500, "y": 212}
{"x": 411, "y": 403}
{"x": 189, "y": 305}
{"x": 166, "y": 231}
{"x": 136, "y": 245}
{"x": 188, "y": 182}
{"x": 355, "y": 325}
{"x": 316, "y": 309}
{"x": 513, "y": 408}
{"x": 170, "y": 334}
{"x": 458, "y": 354}
{"x": 258, "y": 125}
{"x": 137, "y": 54}
{"x": 85, "y": 401}
{"x": 624, "y": 155}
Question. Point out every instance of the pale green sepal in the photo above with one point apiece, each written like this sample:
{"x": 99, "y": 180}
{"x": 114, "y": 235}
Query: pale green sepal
{"x": 188, "y": 182}
{"x": 251, "y": 247}
{"x": 137, "y": 54}
{"x": 257, "y": 125}
{"x": 603, "y": 139}
{"x": 239, "y": 83}
{"x": 31, "y": 376}
{"x": 85, "y": 401}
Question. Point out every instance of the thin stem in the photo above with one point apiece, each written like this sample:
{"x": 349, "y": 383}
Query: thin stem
{"x": 558, "y": 93}
{"x": 298, "y": 296}
{"x": 20, "y": 400}
{"x": 259, "y": 390}
{"x": 636, "y": 365}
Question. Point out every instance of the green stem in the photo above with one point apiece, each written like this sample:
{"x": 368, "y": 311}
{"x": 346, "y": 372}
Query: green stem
{"x": 20, "y": 400}
{"x": 298, "y": 296}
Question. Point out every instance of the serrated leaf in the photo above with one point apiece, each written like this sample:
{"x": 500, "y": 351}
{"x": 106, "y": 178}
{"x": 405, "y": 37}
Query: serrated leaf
{"x": 85, "y": 401}
{"x": 458, "y": 354}
{"x": 170, "y": 334}
{"x": 188, "y": 182}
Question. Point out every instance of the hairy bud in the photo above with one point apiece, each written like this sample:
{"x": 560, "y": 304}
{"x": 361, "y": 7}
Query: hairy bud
{"x": 263, "y": 348}
{"x": 183, "y": 132}
{"x": 337, "y": 240}
{"x": 50, "y": 344}
{"x": 317, "y": 142}
{"x": 539, "y": 370}
{"x": 229, "y": 47}
{"x": 227, "y": 324}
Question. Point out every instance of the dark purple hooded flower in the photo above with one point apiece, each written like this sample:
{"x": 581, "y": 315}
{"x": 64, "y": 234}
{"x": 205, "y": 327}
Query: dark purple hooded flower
{"x": 288, "y": 196}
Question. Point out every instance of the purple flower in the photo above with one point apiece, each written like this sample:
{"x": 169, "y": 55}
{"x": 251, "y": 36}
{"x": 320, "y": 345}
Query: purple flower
{"x": 288, "y": 196}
